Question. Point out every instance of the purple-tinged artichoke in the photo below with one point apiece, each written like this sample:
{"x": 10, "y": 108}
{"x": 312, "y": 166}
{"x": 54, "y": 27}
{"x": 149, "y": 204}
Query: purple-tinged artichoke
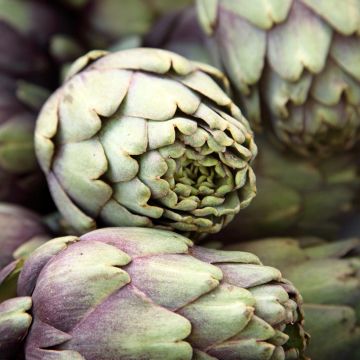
{"x": 328, "y": 277}
{"x": 21, "y": 231}
{"x": 27, "y": 27}
{"x": 145, "y": 137}
{"x": 299, "y": 59}
{"x": 181, "y": 33}
{"x": 137, "y": 293}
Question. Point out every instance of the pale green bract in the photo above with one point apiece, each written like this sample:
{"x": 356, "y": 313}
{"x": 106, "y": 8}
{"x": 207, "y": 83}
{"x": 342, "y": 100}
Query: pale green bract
{"x": 145, "y": 137}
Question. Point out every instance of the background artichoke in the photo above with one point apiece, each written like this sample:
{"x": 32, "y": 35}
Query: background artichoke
{"x": 145, "y": 293}
{"x": 21, "y": 179}
{"x": 297, "y": 196}
{"x": 180, "y": 32}
{"x": 297, "y": 58}
{"x": 328, "y": 277}
{"x": 102, "y": 23}
{"x": 145, "y": 137}
{"x": 21, "y": 231}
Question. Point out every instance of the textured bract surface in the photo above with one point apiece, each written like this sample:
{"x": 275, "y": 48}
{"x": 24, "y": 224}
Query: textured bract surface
{"x": 300, "y": 58}
{"x": 145, "y": 137}
{"x": 137, "y": 293}
{"x": 328, "y": 277}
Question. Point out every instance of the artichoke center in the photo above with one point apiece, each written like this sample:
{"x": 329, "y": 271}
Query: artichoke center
{"x": 201, "y": 176}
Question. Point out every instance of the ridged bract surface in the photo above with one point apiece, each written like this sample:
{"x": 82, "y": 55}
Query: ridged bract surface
{"x": 298, "y": 58}
{"x": 137, "y": 293}
{"x": 145, "y": 137}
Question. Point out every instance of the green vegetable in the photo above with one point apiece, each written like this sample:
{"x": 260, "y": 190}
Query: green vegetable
{"x": 146, "y": 138}
{"x": 299, "y": 60}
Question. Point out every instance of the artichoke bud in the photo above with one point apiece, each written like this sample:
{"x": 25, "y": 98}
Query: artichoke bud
{"x": 148, "y": 293}
{"x": 144, "y": 137}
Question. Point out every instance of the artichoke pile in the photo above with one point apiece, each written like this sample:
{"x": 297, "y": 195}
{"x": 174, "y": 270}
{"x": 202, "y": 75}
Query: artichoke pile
{"x": 179, "y": 179}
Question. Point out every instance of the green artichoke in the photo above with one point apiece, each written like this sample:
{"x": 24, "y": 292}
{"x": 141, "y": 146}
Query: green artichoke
{"x": 103, "y": 22}
{"x": 144, "y": 137}
{"x": 299, "y": 59}
{"x": 328, "y": 277}
{"x": 21, "y": 180}
{"x": 137, "y": 293}
{"x": 297, "y": 196}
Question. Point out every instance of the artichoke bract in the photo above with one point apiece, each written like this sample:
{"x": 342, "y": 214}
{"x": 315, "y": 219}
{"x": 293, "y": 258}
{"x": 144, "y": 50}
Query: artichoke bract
{"x": 140, "y": 293}
{"x": 21, "y": 231}
{"x": 297, "y": 58}
{"x": 328, "y": 277}
{"x": 297, "y": 196}
{"x": 144, "y": 137}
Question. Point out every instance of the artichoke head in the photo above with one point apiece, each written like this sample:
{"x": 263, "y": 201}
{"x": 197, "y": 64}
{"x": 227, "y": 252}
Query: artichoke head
{"x": 299, "y": 59}
{"x": 144, "y": 137}
{"x": 139, "y": 293}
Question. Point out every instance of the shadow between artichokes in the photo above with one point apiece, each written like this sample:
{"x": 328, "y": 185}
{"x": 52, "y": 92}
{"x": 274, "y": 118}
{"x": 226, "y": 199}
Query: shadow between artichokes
{"x": 145, "y": 137}
{"x": 136, "y": 293}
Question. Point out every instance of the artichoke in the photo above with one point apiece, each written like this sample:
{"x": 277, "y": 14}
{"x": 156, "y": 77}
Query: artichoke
{"x": 299, "y": 59}
{"x": 144, "y": 137}
{"x": 21, "y": 231}
{"x": 104, "y": 22}
{"x": 21, "y": 180}
{"x": 180, "y": 32}
{"x": 27, "y": 28}
{"x": 139, "y": 293}
{"x": 297, "y": 196}
{"x": 328, "y": 277}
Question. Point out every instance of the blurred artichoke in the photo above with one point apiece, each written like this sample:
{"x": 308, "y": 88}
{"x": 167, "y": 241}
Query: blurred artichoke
{"x": 21, "y": 232}
{"x": 145, "y": 137}
{"x": 139, "y": 293}
{"x": 300, "y": 60}
{"x": 26, "y": 27}
{"x": 297, "y": 196}
{"x": 180, "y": 32}
{"x": 328, "y": 277}
{"x": 21, "y": 180}
{"x": 104, "y": 22}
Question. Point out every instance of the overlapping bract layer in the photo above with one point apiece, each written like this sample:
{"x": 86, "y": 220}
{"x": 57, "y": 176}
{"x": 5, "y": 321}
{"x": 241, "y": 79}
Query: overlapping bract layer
{"x": 144, "y": 293}
{"x": 297, "y": 57}
{"x": 297, "y": 196}
{"x": 145, "y": 137}
{"x": 328, "y": 277}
